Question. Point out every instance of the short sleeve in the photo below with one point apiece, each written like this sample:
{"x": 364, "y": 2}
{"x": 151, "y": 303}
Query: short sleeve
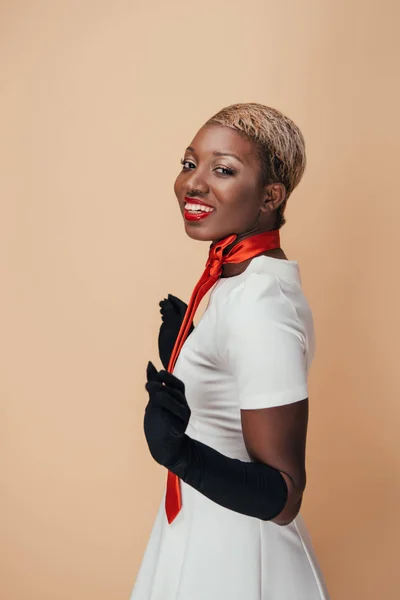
{"x": 264, "y": 344}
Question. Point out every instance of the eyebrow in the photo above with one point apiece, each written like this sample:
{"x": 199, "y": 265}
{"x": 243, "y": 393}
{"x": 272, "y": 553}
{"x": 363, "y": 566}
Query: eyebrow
{"x": 218, "y": 153}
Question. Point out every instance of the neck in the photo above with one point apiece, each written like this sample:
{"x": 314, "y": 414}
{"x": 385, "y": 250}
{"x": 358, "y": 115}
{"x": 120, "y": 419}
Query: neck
{"x": 232, "y": 269}
{"x": 244, "y": 235}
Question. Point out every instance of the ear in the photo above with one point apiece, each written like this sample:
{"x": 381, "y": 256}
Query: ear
{"x": 274, "y": 195}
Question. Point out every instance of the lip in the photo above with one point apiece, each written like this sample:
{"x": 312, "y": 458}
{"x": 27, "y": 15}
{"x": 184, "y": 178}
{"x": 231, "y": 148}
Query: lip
{"x": 197, "y": 201}
{"x": 191, "y": 217}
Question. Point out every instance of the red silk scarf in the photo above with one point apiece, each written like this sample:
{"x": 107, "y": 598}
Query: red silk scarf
{"x": 243, "y": 250}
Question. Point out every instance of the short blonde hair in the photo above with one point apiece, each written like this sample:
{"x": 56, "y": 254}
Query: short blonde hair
{"x": 278, "y": 140}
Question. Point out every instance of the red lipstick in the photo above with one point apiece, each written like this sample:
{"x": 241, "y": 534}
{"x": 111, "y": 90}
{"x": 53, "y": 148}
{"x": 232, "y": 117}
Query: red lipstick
{"x": 190, "y": 216}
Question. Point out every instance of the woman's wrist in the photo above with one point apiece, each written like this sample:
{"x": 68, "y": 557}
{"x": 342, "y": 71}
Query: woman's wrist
{"x": 183, "y": 459}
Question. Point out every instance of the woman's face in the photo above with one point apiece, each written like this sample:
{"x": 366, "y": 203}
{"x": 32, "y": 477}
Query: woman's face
{"x": 221, "y": 170}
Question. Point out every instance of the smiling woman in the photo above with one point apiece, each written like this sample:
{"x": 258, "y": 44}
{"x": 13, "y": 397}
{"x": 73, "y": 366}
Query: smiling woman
{"x": 228, "y": 416}
{"x": 244, "y": 162}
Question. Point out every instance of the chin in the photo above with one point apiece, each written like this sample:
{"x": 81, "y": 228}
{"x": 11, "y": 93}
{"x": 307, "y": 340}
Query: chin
{"x": 197, "y": 233}
{"x": 203, "y": 234}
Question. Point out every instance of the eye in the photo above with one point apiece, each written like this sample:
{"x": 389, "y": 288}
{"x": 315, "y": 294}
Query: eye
{"x": 227, "y": 170}
{"x": 186, "y": 162}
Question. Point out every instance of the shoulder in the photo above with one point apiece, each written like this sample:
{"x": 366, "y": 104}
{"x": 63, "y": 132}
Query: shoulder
{"x": 258, "y": 292}
{"x": 260, "y": 306}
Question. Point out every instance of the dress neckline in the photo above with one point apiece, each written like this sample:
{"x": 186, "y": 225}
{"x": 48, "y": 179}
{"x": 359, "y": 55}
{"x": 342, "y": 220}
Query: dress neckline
{"x": 277, "y": 266}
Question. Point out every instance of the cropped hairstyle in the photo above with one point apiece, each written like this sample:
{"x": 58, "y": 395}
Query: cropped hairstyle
{"x": 277, "y": 139}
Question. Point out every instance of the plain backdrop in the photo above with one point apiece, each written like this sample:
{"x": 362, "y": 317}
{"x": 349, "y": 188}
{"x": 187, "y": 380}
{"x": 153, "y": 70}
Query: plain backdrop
{"x": 98, "y": 101}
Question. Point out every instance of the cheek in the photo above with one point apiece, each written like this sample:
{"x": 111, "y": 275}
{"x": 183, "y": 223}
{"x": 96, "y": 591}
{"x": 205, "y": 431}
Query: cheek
{"x": 238, "y": 207}
{"x": 236, "y": 195}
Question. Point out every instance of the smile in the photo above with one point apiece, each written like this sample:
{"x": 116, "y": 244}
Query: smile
{"x": 192, "y": 207}
{"x": 195, "y": 212}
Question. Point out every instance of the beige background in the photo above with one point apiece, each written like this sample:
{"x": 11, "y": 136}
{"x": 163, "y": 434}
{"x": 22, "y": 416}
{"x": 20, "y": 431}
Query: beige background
{"x": 98, "y": 101}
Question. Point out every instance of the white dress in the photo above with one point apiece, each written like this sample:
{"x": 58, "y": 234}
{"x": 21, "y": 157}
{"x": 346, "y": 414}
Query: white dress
{"x": 252, "y": 348}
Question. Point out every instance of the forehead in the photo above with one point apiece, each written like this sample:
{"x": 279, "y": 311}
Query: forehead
{"x": 217, "y": 138}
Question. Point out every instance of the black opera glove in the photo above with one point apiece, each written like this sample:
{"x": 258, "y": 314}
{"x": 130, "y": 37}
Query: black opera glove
{"x": 172, "y": 311}
{"x": 166, "y": 417}
{"x": 251, "y": 488}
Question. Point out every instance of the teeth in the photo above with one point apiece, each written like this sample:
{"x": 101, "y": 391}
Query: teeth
{"x": 197, "y": 207}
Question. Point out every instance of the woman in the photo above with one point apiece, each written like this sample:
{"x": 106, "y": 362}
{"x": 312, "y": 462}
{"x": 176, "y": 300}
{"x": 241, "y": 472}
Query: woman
{"x": 228, "y": 417}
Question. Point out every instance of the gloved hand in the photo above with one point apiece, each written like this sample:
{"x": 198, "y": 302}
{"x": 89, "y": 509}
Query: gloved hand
{"x": 250, "y": 488}
{"x": 166, "y": 418}
{"x": 172, "y": 312}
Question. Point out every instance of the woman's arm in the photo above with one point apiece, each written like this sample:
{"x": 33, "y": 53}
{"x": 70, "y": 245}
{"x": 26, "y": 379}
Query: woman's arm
{"x": 263, "y": 346}
{"x": 252, "y": 488}
{"x": 266, "y": 351}
{"x": 276, "y": 436}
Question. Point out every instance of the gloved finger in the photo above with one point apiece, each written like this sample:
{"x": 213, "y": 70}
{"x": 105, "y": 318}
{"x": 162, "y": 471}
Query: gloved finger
{"x": 170, "y": 380}
{"x": 168, "y": 398}
{"x": 151, "y": 372}
{"x": 176, "y": 394}
{"x": 167, "y": 302}
{"x": 166, "y": 308}
{"x": 170, "y": 405}
{"x": 153, "y": 386}
{"x": 178, "y": 411}
{"x": 175, "y": 301}
{"x": 157, "y": 386}
{"x": 178, "y": 304}
{"x": 165, "y": 395}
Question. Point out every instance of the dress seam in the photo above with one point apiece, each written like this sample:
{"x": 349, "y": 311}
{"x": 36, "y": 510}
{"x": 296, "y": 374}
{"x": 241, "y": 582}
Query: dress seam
{"x": 320, "y": 590}
{"x": 188, "y": 538}
{"x": 261, "y": 561}
{"x": 183, "y": 560}
{"x": 297, "y": 317}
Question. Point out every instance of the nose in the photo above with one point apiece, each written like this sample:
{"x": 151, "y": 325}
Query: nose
{"x": 196, "y": 183}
